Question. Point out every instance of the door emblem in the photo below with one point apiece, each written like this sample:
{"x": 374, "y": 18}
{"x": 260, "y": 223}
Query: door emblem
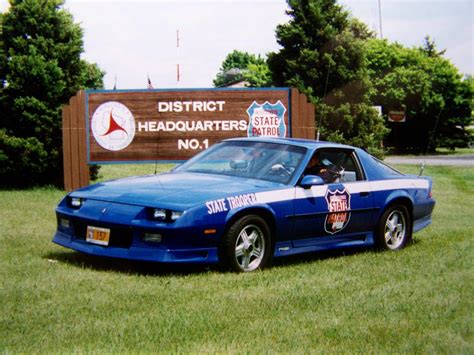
{"x": 339, "y": 206}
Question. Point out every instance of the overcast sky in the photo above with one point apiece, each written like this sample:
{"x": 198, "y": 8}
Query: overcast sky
{"x": 129, "y": 39}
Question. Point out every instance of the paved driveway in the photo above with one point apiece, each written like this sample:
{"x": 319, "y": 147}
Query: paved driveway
{"x": 456, "y": 160}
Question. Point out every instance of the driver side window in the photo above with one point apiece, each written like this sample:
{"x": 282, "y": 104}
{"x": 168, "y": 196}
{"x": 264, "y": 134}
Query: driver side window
{"x": 334, "y": 166}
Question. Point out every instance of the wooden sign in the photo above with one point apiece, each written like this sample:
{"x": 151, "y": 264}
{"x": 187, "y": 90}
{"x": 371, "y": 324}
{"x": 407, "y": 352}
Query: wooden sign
{"x": 176, "y": 124}
{"x": 122, "y": 126}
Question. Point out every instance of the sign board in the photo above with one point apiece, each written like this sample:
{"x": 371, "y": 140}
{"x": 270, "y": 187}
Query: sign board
{"x": 122, "y": 126}
{"x": 396, "y": 116}
{"x": 378, "y": 109}
{"x": 171, "y": 125}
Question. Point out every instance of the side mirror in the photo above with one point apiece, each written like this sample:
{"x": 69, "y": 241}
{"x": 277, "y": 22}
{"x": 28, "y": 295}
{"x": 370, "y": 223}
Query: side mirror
{"x": 311, "y": 180}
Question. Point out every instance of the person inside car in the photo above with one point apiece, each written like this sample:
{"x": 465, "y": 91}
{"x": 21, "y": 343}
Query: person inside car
{"x": 322, "y": 168}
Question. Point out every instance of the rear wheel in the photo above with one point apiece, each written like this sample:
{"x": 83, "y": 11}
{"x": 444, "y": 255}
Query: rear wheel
{"x": 394, "y": 228}
{"x": 247, "y": 245}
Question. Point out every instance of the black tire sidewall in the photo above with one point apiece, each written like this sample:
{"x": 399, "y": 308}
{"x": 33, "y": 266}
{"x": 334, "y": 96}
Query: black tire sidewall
{"x": 227, "y": 257}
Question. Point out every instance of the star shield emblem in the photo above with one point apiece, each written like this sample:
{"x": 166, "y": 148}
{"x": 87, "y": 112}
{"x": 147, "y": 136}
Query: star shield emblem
{"x": 339, "y": 206}
{"x": 266, "y": 120}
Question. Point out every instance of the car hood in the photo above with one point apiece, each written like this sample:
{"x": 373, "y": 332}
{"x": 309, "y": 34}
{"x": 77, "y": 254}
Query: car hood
{"x": 179, "y": 191}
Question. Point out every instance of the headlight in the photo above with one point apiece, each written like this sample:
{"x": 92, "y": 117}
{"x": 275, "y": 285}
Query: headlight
{"x": 75, "y": 202}
{"x": 160, "y": 214}
{"x": 175, "y": 215}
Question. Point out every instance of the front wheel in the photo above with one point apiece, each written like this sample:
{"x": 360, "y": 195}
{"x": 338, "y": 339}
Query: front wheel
{"x": 394, "y": 228}
{"x": 247, "y": 245}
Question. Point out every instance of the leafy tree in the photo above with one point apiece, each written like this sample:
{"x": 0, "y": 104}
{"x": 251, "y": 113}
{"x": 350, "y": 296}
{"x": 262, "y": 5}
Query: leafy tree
{"x": 243, "y": 66}
{"x": 258, "y": 75}
{"x": 428, "y": 88}
{"x": 40, "y": 70}
{"x": 323, "y": 56}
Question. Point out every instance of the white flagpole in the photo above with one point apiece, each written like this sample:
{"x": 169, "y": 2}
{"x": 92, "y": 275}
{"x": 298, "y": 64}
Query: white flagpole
{"x": 178, "y": 74}
{"x": 380, "y": 19}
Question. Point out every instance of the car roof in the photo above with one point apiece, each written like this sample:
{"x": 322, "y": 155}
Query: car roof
{"x": 306, "y": 143}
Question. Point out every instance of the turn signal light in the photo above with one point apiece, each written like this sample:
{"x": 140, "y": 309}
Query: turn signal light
{"x": 152, "y": 237}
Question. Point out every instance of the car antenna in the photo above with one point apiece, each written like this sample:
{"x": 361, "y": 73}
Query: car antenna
{"x": 422, "y": 168}
{"x": 325, "y": 89}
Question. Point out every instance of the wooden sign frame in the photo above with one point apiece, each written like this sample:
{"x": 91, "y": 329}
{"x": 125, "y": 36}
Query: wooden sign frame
{"x": 140, "y": 126}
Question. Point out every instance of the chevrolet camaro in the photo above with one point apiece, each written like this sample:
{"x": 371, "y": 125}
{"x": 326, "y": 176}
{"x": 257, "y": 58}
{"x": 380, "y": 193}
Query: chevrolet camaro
{"x": 244, "y": 201}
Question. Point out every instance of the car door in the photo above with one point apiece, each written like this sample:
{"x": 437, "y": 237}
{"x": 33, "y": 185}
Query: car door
{"x": 339, "y": 210}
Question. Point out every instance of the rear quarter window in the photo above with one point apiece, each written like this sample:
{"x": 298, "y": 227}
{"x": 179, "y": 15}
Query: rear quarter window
{"x": 386, "y": 169}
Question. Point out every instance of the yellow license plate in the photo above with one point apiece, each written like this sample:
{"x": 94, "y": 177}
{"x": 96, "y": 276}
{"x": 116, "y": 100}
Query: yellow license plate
{"x": 98, "y": 235}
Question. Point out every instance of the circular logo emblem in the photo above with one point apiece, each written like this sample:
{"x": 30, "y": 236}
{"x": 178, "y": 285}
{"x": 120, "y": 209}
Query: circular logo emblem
{"x": 113, "y": 126}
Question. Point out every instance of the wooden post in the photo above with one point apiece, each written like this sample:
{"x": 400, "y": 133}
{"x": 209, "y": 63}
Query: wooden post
{"x": 74, "y": 143}
{"x": 295, "y": 114}
{"x": 67, "y": 167}
{"x": 84, "y": 177}
{"x": 76, "y": 170}
{"x": 311, "y": 127}
{"x": 302, "y": 116}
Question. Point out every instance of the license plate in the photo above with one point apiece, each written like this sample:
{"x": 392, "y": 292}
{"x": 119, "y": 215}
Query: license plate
{"x": 98, "y": 235}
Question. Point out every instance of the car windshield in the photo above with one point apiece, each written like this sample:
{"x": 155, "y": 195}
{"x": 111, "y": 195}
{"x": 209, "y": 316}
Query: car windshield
{"x": 256, "y": 160}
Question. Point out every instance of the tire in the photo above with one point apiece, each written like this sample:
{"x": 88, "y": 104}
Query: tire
{"x": 247, "y": 245}
{"x": 394, "y": 228}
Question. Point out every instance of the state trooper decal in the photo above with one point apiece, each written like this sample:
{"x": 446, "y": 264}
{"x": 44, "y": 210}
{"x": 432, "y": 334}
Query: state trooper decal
{"x": 339, "y": 206}
{"x": 266, "y": 120}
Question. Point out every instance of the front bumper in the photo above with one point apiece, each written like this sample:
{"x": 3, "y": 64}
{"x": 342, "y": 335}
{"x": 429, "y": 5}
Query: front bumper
{"x": 139, "y": 252}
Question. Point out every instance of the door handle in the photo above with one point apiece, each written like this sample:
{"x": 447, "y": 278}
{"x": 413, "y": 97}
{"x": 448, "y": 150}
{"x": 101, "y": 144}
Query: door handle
{"x": 364, "y": 193}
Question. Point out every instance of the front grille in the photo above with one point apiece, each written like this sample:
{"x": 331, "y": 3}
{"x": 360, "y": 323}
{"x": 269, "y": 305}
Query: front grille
{"x": 120, "y": 237}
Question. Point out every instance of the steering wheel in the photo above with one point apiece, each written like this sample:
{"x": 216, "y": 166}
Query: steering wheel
{"x": 280, "y": 169}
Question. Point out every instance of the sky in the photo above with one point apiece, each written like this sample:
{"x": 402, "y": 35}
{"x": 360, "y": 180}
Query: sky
{"x": 132, "y": 40}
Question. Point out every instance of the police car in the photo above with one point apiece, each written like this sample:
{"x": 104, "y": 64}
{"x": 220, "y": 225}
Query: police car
{"x": 245, "y": 201}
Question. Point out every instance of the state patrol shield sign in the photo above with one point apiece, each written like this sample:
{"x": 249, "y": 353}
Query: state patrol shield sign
{"x": 266, "y": 120}
{"x": 339, "y": 206}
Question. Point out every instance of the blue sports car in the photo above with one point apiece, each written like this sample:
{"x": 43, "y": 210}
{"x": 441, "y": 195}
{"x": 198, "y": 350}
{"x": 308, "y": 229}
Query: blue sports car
{"x": 246, "y": 200}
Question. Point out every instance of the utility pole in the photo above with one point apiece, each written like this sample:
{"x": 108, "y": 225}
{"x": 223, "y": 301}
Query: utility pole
{"x": 380, "y": 19}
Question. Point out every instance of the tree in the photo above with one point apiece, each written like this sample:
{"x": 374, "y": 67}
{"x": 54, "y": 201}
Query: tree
{"x": 419, "y": 81}
{"x": 323, "y": 56}
{"x": 258, "y": 75}
{"x": 243, "y": 66}
{"x": 430, "y": 49}
{"x": 41, "y": 69}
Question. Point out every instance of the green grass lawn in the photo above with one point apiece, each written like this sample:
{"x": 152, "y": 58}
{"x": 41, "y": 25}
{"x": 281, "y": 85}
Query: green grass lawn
{"x": 417, "y": 300}
{"x": 457, "y": 151}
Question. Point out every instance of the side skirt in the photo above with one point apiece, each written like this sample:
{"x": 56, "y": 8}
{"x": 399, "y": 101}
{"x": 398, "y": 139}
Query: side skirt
{"x": 286, "y": 248}
{"x": 421, "y": 223}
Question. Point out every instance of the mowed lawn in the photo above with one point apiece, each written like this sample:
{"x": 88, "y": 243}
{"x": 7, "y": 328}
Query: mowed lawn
{"x": 417, "y": 300}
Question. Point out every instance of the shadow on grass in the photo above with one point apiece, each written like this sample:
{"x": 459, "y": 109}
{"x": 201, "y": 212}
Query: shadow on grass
{"x": 317, "y": 256}
{"x": 331, "y": 254}
{"x": 101, "y": 263}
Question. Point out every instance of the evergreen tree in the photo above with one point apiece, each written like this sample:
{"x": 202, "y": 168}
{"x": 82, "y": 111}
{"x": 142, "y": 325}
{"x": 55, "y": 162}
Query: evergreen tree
{"x": 40, "y": 70}
{"x": 323, "y": 56}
